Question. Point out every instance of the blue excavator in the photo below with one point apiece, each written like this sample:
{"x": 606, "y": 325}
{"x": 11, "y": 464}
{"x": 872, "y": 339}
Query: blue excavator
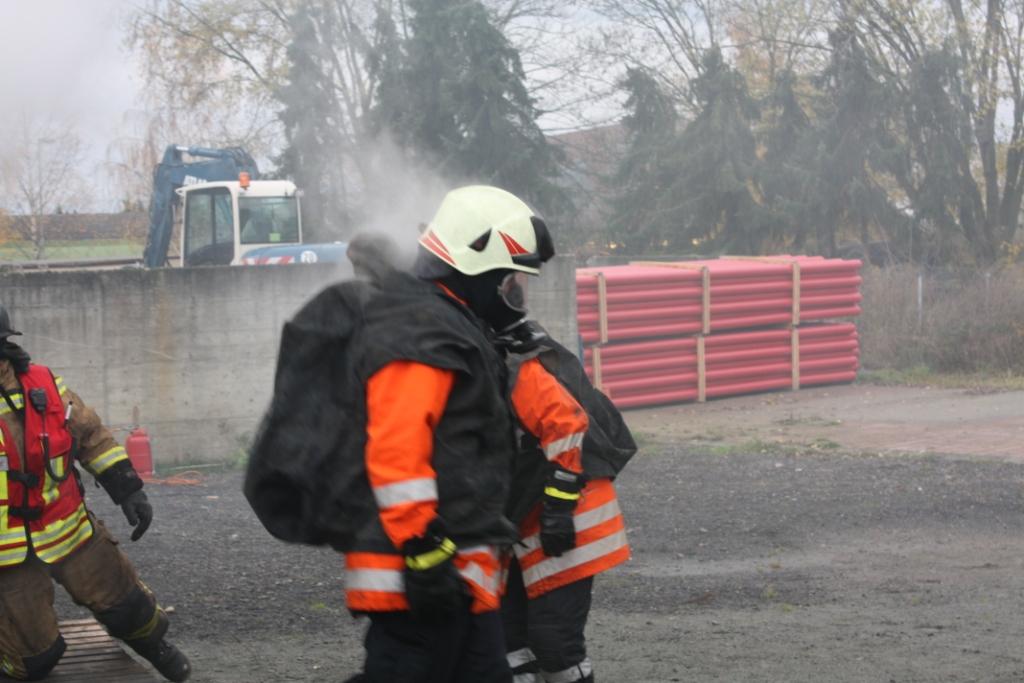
{"x": 230, "y": 215}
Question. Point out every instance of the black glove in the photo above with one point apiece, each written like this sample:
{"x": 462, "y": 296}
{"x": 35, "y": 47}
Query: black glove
{"x": 557, "y": 530}
{"x": 433, "y": 586}
{"x": 138, "y": 512}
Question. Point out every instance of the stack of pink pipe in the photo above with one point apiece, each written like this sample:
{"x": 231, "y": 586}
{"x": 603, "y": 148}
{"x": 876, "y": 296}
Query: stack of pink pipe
{"x": 644, "y": 373}
{"x": 667, "y": 300}
{"x": 661, "y": 346}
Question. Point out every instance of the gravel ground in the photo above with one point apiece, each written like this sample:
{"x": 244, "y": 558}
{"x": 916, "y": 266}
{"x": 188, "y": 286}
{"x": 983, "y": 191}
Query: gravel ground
{"x": 747, "y": 567}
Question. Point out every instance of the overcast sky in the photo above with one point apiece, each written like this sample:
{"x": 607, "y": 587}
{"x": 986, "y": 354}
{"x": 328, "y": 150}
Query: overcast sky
{"x": 66, "y": 58}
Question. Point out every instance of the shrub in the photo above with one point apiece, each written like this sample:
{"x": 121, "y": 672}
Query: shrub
{"x": 970, "y": 321}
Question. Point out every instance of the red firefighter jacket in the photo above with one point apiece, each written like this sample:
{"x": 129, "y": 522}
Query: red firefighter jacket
{"x": 547, "y": 411}
{"x": 41, "y": 510}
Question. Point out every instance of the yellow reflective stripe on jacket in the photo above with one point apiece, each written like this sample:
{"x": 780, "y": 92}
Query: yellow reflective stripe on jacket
{"x": 13, "y": 556}
{"x": 10, "y": 536}
{"x": 105, "y": 460}
{"x": 19, "y": 401}
{"x": 68, "y": 545}
{"x": 61, "y": 527}
{"x": 76, "y": 524}
{"x": 16, "y": 399}
{"x": 51, "y": 489}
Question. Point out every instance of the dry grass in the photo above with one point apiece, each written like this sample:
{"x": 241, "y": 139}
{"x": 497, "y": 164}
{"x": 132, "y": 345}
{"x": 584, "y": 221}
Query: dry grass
{"x": 921, "y": 376}
{"x": 969, "y": 323}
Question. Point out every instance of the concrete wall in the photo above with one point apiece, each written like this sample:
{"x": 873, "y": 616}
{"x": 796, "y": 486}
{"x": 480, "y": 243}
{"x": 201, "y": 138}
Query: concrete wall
{"x": 193, "y": 350}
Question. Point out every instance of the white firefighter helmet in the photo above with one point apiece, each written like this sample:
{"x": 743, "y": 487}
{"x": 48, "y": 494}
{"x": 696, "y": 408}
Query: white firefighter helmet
{"x": 479, "y": 228}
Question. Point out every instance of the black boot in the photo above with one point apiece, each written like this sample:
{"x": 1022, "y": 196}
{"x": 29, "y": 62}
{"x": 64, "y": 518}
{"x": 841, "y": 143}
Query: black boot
{"x": 165, "y": 658}
{"x": 147, "y": 639}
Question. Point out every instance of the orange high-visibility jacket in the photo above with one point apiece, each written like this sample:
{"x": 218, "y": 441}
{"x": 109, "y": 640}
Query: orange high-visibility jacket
{"x": 549, "y": 412}
{"x": 405, "y": 401}
{"x": 34, "y": 507}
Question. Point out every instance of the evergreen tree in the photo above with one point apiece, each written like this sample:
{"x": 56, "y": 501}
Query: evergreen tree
{"x": 786, "y": 172}
{"x": 644, "y": 173}
{"x": 715, "y": 194}
{"x": 457, "y": 102}
{"x": 852, "y": 147}
{"x": 314, "y": 148}
{"x": 935, "y": 167}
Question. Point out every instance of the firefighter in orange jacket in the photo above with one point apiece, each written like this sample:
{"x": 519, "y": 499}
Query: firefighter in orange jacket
{"x": 571, "y": 527}
{"x": 439, "y": 449}
{"x": 47, "y": 533}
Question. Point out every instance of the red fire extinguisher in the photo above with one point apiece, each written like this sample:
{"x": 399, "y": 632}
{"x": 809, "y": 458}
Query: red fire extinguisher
{"x": 139, "y": 452}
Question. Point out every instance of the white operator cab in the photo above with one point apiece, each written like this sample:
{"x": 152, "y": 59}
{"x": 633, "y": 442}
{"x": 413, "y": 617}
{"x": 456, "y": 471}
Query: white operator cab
{"x": 223, "y": 220}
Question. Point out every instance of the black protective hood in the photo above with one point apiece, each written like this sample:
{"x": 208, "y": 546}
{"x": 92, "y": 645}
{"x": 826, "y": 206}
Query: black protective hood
{"x": 17, "y": 356}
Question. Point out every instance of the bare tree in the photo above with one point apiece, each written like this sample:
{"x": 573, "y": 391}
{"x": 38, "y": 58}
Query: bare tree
{"x": 212, "y": 70}
{"x": 131, "y": 157}
{"x": 218, "y": 67}
{"x": 571, "y": 84}
{"x": 762, "y": 38}
{"x": 771, "y": 37}
{"x": 39, "y": 173}
{"x": 206, "y": 62}
{"x": 958, "y": 69}
{"x": 667, "y": 37}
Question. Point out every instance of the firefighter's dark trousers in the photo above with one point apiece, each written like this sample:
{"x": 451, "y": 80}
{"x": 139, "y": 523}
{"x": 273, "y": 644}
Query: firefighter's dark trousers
{"x": 544, "y": 636}
{"x": 97, "y": 576}
{"x": 466, "y": 648}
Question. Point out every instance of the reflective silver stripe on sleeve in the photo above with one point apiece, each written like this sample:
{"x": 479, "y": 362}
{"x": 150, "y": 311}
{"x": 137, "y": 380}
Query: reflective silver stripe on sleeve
{"x": 582, "y": 522}
{"x": 521, "y": 656}
{"x": 474, "y": 573}
{"x": 570, "y": 675}
{"x": 382, "y": 580}
{"x": 556, "y": 448}
{"x": 527, "y": 678}
{"x": 410, "y": 491}
{"x": 574, "y": 558}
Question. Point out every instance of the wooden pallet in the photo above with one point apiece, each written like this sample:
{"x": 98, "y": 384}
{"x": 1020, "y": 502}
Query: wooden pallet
{"x": 94, "y": 657}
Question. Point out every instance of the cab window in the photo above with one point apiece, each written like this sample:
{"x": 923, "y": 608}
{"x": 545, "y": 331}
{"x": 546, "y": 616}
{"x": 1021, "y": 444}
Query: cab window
{"x": 209, "y": 228}
{"x": 268, "y": 220}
